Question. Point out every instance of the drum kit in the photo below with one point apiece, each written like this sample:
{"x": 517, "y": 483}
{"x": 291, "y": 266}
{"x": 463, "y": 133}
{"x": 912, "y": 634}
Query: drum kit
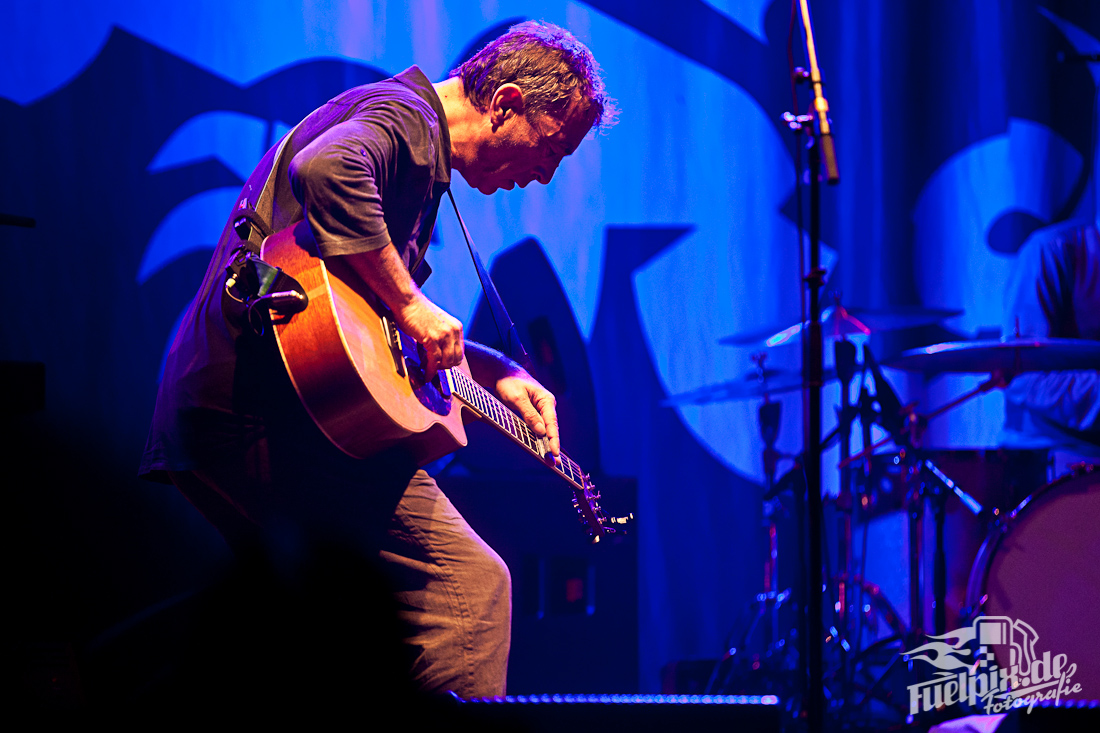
{"x": 1005, "y": 541}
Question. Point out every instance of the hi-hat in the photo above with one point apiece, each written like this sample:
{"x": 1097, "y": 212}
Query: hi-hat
{"x": 1011, "y": 355}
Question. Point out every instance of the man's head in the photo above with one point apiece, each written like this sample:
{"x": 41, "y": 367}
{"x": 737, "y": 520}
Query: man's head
{"x": 540, "y": 92}
{"x": 550, "y": 66}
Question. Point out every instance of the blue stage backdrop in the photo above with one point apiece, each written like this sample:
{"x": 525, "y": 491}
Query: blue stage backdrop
{"x": 126, "y": 129}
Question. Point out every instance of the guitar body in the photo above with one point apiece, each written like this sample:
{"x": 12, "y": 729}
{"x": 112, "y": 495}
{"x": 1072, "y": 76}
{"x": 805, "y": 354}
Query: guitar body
{"x": 349, "y": 376}
{"x": 360, "y": 379}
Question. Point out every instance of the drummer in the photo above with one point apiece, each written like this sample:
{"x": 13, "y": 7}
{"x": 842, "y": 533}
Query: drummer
{"x": 1054, "y": 292}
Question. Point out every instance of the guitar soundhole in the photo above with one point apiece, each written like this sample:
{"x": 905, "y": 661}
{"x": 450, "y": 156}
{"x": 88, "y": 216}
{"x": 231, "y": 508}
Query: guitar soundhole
{"x": 434, "y": 395}
{"x": 431, "y": 396}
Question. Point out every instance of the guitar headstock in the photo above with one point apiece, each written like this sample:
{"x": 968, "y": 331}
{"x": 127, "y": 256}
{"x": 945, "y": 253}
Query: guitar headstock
{"x": 586, "y": 500}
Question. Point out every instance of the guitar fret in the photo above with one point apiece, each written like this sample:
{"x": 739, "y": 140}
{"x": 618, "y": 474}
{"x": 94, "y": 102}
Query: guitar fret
{"x": 567, "y": 462}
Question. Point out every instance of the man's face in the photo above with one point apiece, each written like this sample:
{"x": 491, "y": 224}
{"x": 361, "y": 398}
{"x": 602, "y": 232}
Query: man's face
{"x": 526, "y": 148}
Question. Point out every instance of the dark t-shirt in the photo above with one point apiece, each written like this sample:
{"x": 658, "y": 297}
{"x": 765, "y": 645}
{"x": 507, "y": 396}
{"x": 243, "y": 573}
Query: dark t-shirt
{"x": 367, "y": 168}
{"x": 1055, "y": 293}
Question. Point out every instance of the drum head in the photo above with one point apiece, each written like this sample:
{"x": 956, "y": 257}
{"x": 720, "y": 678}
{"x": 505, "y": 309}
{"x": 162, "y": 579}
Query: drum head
{"x": 1044, "y": 570}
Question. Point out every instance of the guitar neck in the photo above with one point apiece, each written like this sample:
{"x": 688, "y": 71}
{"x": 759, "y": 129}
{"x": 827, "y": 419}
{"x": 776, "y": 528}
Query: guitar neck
{"x": 488, "y": 407}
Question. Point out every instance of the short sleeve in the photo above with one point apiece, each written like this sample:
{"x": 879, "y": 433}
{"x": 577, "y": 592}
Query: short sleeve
{"x": 346, "y": 177}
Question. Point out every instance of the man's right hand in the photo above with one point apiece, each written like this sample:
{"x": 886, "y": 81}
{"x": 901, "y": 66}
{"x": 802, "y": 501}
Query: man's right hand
{"x": 437, "y": 331}
{"x": 433, "y": 328}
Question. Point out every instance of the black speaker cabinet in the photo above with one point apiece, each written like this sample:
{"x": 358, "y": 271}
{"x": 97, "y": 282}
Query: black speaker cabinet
{"x": 574, "y": 603}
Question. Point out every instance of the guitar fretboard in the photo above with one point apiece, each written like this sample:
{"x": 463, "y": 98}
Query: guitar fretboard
{"x": 489, "y": 407}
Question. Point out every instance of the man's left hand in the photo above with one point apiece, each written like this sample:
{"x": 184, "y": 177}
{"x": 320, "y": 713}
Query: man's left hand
{"x": 519, "y": 391}
{"x": 536, "y": 405}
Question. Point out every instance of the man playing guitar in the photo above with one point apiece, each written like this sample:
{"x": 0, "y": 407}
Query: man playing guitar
{"x": 366, "y": 172}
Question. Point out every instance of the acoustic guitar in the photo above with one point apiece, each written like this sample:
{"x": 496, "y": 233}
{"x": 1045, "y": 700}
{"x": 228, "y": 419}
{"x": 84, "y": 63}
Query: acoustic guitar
{"x": 361, "y": 378}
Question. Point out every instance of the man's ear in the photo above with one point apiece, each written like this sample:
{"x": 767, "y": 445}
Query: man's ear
{"x": 507, "y": 103}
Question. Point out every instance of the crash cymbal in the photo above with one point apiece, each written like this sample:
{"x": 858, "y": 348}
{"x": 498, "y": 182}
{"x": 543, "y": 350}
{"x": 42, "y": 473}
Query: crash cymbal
{"x": 836, "y": 321}
{"x": 749, "y": 386}
{"x": 1010, "y": 355}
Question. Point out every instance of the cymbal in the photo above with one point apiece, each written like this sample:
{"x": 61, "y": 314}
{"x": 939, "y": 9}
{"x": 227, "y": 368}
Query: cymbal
{"x": 1011, "y": 355}
{"x": 748, "y": 386}
{"x": 836, "y": 321}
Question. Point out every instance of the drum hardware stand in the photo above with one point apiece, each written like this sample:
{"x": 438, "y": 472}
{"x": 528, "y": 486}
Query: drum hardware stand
{"x": 845, "y": 360}
{"x": 921, "y": 487}
{"x": 937, "y": 487}
{"x": 767, "y": 604}
{"x": 914, "y": 509}
{"x": 923, "y": 480}
{"x": 768, "y": 416}
{"x": 861, "y": 658}
{"x": 847, "y": 633}
{"x": 867, "y": 417}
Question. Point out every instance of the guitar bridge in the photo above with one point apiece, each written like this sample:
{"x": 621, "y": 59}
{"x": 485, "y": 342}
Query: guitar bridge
{"x": 393, "y": 340}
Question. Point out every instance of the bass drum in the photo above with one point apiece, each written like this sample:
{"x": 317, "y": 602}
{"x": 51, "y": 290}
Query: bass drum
{"x": 1042, "y": 567}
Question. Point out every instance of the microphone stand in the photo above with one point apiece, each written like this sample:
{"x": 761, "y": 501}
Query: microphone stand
{"x": 820, "y": 143}
{"x": 511, "y": 344}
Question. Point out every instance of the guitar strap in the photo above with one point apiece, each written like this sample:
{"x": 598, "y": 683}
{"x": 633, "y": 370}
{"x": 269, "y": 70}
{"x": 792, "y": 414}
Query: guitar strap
{"x": 513, "y": 347}
{"x": 250, "y": 281}
{"x": 249, "y": 224}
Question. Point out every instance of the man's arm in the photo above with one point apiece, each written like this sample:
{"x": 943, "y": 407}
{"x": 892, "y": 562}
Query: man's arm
{"x": 519, "y": 390}
{"x": 1039, "y": 299}
{"x": 433, "y": 328}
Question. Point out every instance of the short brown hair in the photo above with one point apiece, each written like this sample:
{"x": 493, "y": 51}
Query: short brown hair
{"x": 547, "y": 63}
